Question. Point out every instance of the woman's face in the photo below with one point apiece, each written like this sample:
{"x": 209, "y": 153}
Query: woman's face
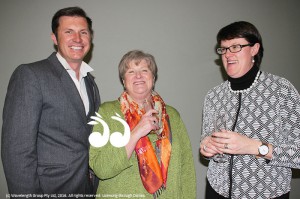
{"x": 238, "y": 64}
{"x": 138, "y": 80}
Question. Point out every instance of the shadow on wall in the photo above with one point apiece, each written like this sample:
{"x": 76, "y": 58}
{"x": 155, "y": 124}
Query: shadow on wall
{"x": 219, "y": 62}
{"x": 296, "y": 173}
{"x": 203, "y": 161}
{"x": 222, "y": 70}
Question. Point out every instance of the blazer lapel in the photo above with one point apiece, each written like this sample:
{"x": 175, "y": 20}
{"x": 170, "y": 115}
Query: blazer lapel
{"x": 93, "y": 94}
{"x": 68, "y": 85}
{"x": 72, "y": 93}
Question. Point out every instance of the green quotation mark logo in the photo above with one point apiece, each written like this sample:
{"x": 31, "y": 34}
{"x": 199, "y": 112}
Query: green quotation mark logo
{"x": 117, "y": 139}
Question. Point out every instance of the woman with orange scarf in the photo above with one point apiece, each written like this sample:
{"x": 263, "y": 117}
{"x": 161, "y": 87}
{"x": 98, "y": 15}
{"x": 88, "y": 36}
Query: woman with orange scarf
{"x": 157, "y": 162}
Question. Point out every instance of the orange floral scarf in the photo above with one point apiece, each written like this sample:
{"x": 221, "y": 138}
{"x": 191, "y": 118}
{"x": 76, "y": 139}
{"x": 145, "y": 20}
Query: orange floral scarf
{"x": 153, "y": 163}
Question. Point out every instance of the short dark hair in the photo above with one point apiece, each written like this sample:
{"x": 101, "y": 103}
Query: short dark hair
{"x": 70, "y": 11}
{"x": 246, "y": 30}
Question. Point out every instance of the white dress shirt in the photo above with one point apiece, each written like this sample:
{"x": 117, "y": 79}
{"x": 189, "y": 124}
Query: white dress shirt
{"x": 80, "y": 84}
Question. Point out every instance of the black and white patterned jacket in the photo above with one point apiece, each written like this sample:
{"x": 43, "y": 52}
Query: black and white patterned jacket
{"x": 270, "y": 112}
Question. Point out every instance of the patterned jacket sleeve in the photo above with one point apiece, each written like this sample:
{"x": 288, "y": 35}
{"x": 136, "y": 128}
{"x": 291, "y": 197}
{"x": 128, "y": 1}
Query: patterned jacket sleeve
{"x": 206, "y": 121}
{"x": 287, "y": 153}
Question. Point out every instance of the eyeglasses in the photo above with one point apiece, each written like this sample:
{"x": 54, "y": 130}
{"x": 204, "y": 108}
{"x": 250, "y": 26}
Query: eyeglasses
{"x": 234, "y": 48}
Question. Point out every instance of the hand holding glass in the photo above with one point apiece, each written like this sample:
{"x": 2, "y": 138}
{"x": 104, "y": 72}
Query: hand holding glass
{"x": 148, "y": 105}
{"x": 220, "y": 121}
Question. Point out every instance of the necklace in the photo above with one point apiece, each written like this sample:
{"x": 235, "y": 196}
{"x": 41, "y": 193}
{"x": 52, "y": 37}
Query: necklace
{"x": 244, "y": 90}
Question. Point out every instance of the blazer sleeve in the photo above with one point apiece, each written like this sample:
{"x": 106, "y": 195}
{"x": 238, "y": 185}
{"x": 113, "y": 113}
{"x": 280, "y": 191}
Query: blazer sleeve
{"x": 21, "y": 113}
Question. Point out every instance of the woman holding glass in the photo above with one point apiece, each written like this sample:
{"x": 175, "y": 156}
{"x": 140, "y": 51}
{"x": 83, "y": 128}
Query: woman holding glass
{"x": 252, "y": 155}
{"x": 157, "y": 162}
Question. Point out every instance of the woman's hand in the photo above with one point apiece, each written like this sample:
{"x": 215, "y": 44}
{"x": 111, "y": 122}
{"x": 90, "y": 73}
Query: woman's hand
{"x": 147, "y": 123}
{"x": 234, "y": 143}
{"x": 207, "y": 149}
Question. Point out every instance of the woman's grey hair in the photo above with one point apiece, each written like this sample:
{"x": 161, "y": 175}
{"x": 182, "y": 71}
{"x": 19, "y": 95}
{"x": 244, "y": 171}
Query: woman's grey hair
{"x": 137, "y": 56}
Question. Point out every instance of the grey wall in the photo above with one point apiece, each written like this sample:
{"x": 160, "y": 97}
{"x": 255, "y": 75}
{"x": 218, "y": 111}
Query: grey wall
{"x": 179, "y": 33}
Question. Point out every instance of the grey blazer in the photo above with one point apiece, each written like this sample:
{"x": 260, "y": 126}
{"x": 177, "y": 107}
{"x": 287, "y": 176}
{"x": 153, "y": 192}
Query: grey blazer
{"x": 45, "y": 133}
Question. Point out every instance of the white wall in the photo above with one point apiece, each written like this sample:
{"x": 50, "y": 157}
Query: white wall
{"x": 179, "y": 33}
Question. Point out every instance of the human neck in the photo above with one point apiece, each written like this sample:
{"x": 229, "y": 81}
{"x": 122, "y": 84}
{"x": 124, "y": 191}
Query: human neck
{"x": 245, "y": 81}
{"x": 76, "y": 68}
{"x": 141, "y": 99}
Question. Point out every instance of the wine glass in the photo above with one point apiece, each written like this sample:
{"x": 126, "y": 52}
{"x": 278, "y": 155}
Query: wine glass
{"x": 148, "y": 105}
{"x": 220, "y": 123}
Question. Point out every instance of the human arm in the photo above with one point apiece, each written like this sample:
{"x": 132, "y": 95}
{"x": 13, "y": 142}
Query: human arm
{"x": 235, "y": 143}
{"x": 277, "y": 123}
{"x": 21, "y": 115}
{"x": 286, "y": 153}
{"x": 147, "y": 123}
{"x": 101, "y": 160}
{"x": 108, "y": 161}
{"x": 207, "y": 149}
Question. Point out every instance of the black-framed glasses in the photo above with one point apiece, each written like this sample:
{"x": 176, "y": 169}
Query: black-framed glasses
{"x": 234, "y": 48}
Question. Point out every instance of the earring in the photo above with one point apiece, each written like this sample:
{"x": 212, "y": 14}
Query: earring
{"x": 253, "y": 60}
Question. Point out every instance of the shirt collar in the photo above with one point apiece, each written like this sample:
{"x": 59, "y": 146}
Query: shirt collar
{"x": 84, "y": 68}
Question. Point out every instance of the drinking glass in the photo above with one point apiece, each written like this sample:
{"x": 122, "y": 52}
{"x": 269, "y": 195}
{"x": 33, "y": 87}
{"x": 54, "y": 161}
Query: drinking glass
{"x": 148, "y": 105}
{"x": 220, "y": 123}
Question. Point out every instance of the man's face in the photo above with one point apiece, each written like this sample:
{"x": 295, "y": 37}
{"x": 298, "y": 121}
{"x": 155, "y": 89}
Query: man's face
{"x": 73, "y": 38}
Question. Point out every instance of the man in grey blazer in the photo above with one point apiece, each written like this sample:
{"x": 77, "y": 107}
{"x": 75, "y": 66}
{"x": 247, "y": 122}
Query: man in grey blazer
{"x": 47, "y": 107}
